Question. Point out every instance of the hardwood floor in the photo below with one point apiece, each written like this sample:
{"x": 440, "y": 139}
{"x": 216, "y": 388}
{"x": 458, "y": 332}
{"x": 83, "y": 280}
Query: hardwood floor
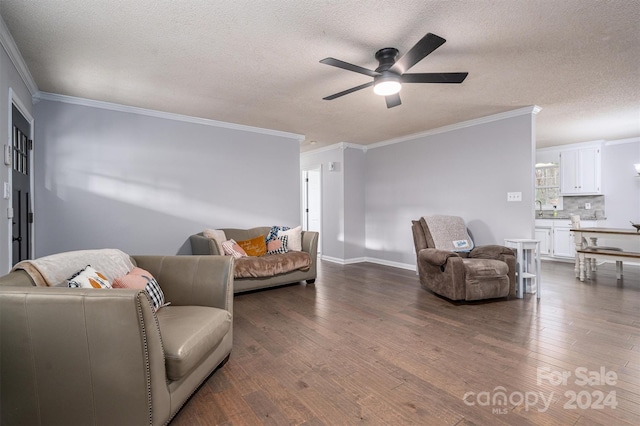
{"x": 366, "y": 344}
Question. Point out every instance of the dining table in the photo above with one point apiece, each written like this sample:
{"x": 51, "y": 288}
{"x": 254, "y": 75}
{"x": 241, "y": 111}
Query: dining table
{"x": 582, "y": 267}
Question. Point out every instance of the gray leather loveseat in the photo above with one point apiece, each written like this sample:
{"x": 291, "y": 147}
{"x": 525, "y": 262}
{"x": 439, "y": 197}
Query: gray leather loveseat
{"x": 103, "y": 356}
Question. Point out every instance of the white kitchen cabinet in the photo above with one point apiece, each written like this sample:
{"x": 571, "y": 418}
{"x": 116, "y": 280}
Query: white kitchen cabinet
{"x": 581, "y": 171}
{"x": 563, "y": 242}
{"x": 543, "y": 234}
{"x": 556, "y": 239}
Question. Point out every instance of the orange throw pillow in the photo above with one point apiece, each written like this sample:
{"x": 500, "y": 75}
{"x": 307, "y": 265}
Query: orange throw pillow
{"x": 255, "y": 246}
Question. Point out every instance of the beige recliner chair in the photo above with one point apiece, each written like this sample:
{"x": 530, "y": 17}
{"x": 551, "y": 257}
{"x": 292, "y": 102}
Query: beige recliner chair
{"x": 450, "y": 265}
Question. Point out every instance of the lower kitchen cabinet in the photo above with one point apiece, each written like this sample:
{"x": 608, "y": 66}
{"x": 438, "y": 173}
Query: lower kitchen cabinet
{"x": 543, "y": 234}
{"x": 556, "y": 239}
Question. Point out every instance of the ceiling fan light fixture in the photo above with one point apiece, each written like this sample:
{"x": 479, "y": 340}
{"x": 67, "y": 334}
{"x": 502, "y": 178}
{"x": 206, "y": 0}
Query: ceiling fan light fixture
{"x": 387, "y": 84}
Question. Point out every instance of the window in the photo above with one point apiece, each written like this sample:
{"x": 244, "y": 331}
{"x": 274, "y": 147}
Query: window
{"x": 548, "y": 186}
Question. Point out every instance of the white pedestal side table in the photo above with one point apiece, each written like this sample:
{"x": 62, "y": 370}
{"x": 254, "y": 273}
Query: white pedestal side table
{"x": 527, "y": 264}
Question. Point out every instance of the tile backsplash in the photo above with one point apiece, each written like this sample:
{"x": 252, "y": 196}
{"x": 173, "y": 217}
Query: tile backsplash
{"x": 575, "y": 205}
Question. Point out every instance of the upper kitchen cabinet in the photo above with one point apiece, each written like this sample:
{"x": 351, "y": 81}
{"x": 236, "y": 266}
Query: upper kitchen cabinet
{"x": 581, "y": 171}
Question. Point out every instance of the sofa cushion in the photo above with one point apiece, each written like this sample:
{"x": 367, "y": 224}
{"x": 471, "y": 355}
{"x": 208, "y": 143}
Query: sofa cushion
{"x": 271, "y": 264}
{"x": 485, "y": 279}
{"x": 485, "y": 267}
{"x": 189, "y": 333}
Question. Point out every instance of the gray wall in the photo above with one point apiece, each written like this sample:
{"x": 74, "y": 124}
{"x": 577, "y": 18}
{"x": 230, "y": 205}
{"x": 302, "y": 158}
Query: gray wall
{"x": 9, "y": 79}
{"x": 354, "y": 203}
{"x": 621, "y": 188}
{"x": 464, "y": 172}
{"x": 621, "y": 183}
{"x": 143, "y": 184}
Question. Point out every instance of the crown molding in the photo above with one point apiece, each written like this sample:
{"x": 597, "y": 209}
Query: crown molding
{"x": 622, "y": 141}
{"x": 45, "y": 96}
{"x": 339, "y": 145}
{"x": 483, "y": 120}
{"x": 9, "y": 44}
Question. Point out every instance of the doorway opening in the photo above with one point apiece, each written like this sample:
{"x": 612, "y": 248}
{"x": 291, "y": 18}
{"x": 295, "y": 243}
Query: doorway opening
{"x": 312, "y": 202}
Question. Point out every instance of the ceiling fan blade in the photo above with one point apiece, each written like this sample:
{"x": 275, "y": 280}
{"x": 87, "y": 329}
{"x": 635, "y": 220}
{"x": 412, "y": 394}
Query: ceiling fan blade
{"x": 435, "y": 77}
{"x": 393, "y": 100}
{"x": 426, "y": 45}
{"x": 349, "y": 67}
{"x": 346, "y": 92}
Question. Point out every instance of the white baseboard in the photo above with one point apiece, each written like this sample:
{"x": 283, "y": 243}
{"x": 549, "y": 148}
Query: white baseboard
{"x": 371, "y": 260}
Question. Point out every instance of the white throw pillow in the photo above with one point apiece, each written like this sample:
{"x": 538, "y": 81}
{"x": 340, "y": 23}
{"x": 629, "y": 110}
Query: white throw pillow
{"x": 218, "y": 235}
{"x": 295, "y": 238}
{"x": 88, "y": 278}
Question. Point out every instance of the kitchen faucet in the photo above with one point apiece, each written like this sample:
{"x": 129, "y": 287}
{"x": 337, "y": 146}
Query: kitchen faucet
{"x": 540, "y": 210}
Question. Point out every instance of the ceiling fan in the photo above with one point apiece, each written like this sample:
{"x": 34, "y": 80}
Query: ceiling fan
{"x": 390, "y": 74}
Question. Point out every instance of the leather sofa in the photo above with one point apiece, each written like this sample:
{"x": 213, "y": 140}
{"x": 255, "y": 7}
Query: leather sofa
{"x": 87, "y": 356}
{"x": 201, "y": 245}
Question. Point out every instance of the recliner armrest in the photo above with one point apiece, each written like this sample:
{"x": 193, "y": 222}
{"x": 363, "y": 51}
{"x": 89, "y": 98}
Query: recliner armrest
{"x": 435, "y": 256}
{"x": 490, "y": 252}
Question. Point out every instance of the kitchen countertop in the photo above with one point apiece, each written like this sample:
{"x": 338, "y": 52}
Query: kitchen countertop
{"x": 567, "y": 217}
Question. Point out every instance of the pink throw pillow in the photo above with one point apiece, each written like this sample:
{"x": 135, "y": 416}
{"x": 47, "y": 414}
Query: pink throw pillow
{"x": 133, "y": 279}
{"x": 231, "y": 248}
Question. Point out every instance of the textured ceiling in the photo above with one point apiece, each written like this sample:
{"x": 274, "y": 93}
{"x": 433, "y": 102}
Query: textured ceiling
{"x": 256, "y": 62}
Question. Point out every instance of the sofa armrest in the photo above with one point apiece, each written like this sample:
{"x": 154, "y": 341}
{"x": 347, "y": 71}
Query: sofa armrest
{"x": 435, "y": 257}
{"x": 64, "y": 351}
{"x": 193, "y": 280}
{"x": 202, "y": 245}
{"x": 310, "y": 243}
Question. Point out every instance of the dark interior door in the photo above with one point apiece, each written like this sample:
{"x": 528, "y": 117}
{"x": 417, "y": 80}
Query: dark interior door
{"x": 22, "y": 214}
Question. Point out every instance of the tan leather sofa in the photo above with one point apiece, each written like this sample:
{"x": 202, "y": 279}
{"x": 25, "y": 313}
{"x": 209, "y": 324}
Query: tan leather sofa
{"x": 103, "y": 357}
{"x": 201, "y": 245}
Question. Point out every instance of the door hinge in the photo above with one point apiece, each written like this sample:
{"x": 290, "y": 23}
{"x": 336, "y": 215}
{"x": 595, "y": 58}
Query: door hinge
{"x": 306, "y": 210}
{"x": 30, "y": 143}
{"x": 30, "y": 217}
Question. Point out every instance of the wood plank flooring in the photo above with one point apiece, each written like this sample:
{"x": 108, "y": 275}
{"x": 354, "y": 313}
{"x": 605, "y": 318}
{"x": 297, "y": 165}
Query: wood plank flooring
{"x": 367, "y": 345}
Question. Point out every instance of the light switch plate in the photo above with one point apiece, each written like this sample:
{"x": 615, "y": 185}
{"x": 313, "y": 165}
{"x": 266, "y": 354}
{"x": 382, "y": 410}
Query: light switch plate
{"x": 7, "y": 155}
{"x": 7, "y": 191}
{"x": 514, "y": 196}
{"x": 587, "y": 206}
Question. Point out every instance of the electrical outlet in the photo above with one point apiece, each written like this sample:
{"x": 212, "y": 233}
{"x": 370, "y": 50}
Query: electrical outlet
{"x": 587, "y": 206}
{"x": 514, "y": 196}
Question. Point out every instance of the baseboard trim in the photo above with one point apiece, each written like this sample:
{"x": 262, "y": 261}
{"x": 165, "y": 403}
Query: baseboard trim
{"x": 370, "y": 260}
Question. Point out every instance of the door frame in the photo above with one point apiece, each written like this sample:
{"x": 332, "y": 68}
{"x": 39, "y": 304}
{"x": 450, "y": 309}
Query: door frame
{"x": 14, "y": 100}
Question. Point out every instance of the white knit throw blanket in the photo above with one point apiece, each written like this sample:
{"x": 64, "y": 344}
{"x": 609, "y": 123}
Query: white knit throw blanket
{"x": 57, "y": 268}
